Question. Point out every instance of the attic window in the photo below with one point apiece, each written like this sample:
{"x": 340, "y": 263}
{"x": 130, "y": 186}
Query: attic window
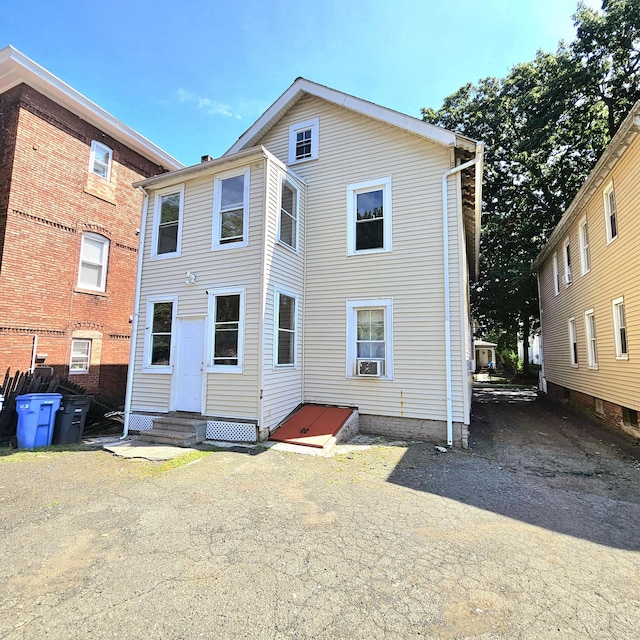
{"x": 100, "y": 162}
{"x": 303, "y": 141}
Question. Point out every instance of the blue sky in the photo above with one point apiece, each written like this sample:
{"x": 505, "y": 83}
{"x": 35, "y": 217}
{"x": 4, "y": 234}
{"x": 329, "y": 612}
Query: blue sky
{"x": 193, "y": 75}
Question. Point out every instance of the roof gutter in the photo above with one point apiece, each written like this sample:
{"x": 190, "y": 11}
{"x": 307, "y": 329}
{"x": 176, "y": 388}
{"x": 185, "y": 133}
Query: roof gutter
{"x": 478, "y": 162}
{"x": 136, "y": 316}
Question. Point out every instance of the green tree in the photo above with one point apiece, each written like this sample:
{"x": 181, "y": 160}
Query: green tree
{"x": 545, "y": 125}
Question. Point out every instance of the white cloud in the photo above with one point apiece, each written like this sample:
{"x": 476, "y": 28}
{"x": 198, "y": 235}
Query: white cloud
{"x": 210, "y": 106}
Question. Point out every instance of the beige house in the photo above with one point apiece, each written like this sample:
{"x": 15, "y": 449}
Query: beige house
{"x": 325, "y": 258}
{"x": 589, "y": 281}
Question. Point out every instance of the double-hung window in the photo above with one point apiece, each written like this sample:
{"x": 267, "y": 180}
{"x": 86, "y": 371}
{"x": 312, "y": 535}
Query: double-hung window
{"x": 100, "y": 160}
{"x": 303, "y": 141}
{"x": 80, "y": 356}
{"x": 585, "y": 255}
{"x": 610, "y": 213}
{"x": 567, "y": 261}
{"x": 369, "y": 216}
{"x": 160, "y": 326}
{"x": 369, "y": 339}
{"x": 592, "y": 347}
{"x": 94, "y": 256}
{"x": 288, "y": 225}
{"x": 573, "y": 343}
{"x": 620, "y": 328}
{"x": 231, "y": 209}
{"x": 226, "y": 313}
{"x": 167, "y": 226}
{"x": 556, "y": 276}
{"x": 286, "y": 322}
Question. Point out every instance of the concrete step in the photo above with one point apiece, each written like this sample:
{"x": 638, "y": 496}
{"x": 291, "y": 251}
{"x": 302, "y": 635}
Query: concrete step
{"x": 166, "y": 436}
{"x": 179, "y": 424}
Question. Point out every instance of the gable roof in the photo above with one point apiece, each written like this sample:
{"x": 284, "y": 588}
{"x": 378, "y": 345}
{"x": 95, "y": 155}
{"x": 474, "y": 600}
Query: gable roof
{"x": 16, "y": 68}
{"x": 302, "y": 87}
{"x": 625, "y": 135}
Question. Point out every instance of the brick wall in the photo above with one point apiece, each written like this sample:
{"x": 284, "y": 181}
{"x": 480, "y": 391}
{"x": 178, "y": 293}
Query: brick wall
{"x": 611, "y": 416}
{"x": 52, "y": 200}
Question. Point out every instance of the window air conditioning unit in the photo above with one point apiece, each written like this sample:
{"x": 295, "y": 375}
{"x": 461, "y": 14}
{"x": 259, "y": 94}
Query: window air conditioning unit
{"x": 567, "y": 277}
{"x": 373, "y": 368}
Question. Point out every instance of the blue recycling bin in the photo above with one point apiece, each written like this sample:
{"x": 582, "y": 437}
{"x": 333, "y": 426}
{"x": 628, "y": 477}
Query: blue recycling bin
{"x": 36, "y": 417}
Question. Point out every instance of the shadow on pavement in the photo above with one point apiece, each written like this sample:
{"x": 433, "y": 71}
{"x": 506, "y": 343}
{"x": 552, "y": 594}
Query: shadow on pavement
{"x": 539, "y": 463}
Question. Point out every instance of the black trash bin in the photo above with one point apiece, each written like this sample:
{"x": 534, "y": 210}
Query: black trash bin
{"x": 70, "y": 420}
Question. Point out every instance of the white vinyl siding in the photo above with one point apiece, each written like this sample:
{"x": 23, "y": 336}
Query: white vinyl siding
{"x": 357, "y": 149}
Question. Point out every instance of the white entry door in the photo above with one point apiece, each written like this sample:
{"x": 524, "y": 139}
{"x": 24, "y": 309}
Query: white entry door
{"x": 190, "y": 365}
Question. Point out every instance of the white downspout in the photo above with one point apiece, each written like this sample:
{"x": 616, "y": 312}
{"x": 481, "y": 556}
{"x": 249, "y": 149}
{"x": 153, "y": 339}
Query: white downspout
{"x": 136, "y": 315}
{"x": 447, "y": 296}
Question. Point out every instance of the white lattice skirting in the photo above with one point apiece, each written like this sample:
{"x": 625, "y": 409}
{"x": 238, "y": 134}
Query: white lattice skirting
{"x": 231, "y": 431}
{"x": 141, "y": 423}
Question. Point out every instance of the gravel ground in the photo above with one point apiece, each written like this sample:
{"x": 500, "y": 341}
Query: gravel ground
{"x": 534, "y": 532}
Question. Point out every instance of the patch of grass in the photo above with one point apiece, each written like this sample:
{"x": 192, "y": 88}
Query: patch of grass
{"x": 158, "y": 468}
{"x": 7, "y": 454}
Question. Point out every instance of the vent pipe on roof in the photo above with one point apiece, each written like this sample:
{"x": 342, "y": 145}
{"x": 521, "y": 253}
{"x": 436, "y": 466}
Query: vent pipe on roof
{"x": 205, "y": 158}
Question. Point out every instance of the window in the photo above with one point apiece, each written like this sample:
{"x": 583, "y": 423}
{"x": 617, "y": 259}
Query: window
{"x": 585, "y": 256}
{"x": 592, "y": 350}
{"x": 285, "y": 351}
{"x": 598, "y": 406}
{"x": 573, "y": 344}
{"x": 226, "y": 311}
{"x": 303, "y": 141}
{"x": 620, "y": 327}
{"x": 160, "y": 323}
{"x": 288, "y": 229}
{"x": 94, "y": 255}
{"x": 629, "y": 417}
{"x": 567, "y": 261}
{"x": 230, "y": 210}
{"x": 167, "y": 224}
{"x": 100, "y": 160}
{"x": 556, "y": 276}
{"x": 369, "y": 216}
{"x": 369, "y": 339}
{"x": 80, "y": 356}
{"x": 610, "y": 213}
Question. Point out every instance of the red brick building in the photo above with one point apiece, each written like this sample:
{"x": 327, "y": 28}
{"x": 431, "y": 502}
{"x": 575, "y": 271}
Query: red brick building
{"x": 69, "y": 220}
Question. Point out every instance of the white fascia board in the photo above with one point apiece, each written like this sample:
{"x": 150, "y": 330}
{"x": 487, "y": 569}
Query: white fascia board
{"x": 167, "y": 179}
{"x": 16, "y": 68}
{"x": 383, "y": 114}
{"x": 610, "y": 156}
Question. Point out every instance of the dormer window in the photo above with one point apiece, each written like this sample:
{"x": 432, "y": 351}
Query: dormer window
{"x": 101, "y": 158}
{"x": 303, "y": 141}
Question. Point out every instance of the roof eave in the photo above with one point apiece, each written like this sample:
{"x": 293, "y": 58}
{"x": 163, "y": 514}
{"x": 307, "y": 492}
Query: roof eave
{"x": 16, "y": 68}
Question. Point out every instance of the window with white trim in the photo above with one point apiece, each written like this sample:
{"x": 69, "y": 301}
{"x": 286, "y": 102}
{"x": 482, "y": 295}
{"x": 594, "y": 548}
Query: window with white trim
{"x": 369, "y": 339}
{"x": 620, "y": 328}
{"x": 167, "y": 222}
{"x": 80, "y": 356}
{"x": 231, "y": 209}
{"x": 573, "y": 343}
{"x": 286, "y": 323}
{"x": 556, "y": 275}
{"x": 303, "y": 141}
{"x": 592, "y": 347}
{"x": 288, "y": 224}
{"x": 369, "y": 216}
{"x": 585, "y": 255}
{"x": 226, "y": 313}
{"x": 566, "y": 253}
{"x": 100, "y": 160}
{"x": 160, "y": 326}
{"x": 94, "y": 257}
{"x": 610, "y": 213}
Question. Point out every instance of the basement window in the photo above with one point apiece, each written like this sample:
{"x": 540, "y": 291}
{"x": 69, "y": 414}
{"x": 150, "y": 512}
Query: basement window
{"x": 629, "y": 417}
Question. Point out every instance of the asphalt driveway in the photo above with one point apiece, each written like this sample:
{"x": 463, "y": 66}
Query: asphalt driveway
{"x": 534, "y": 532}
